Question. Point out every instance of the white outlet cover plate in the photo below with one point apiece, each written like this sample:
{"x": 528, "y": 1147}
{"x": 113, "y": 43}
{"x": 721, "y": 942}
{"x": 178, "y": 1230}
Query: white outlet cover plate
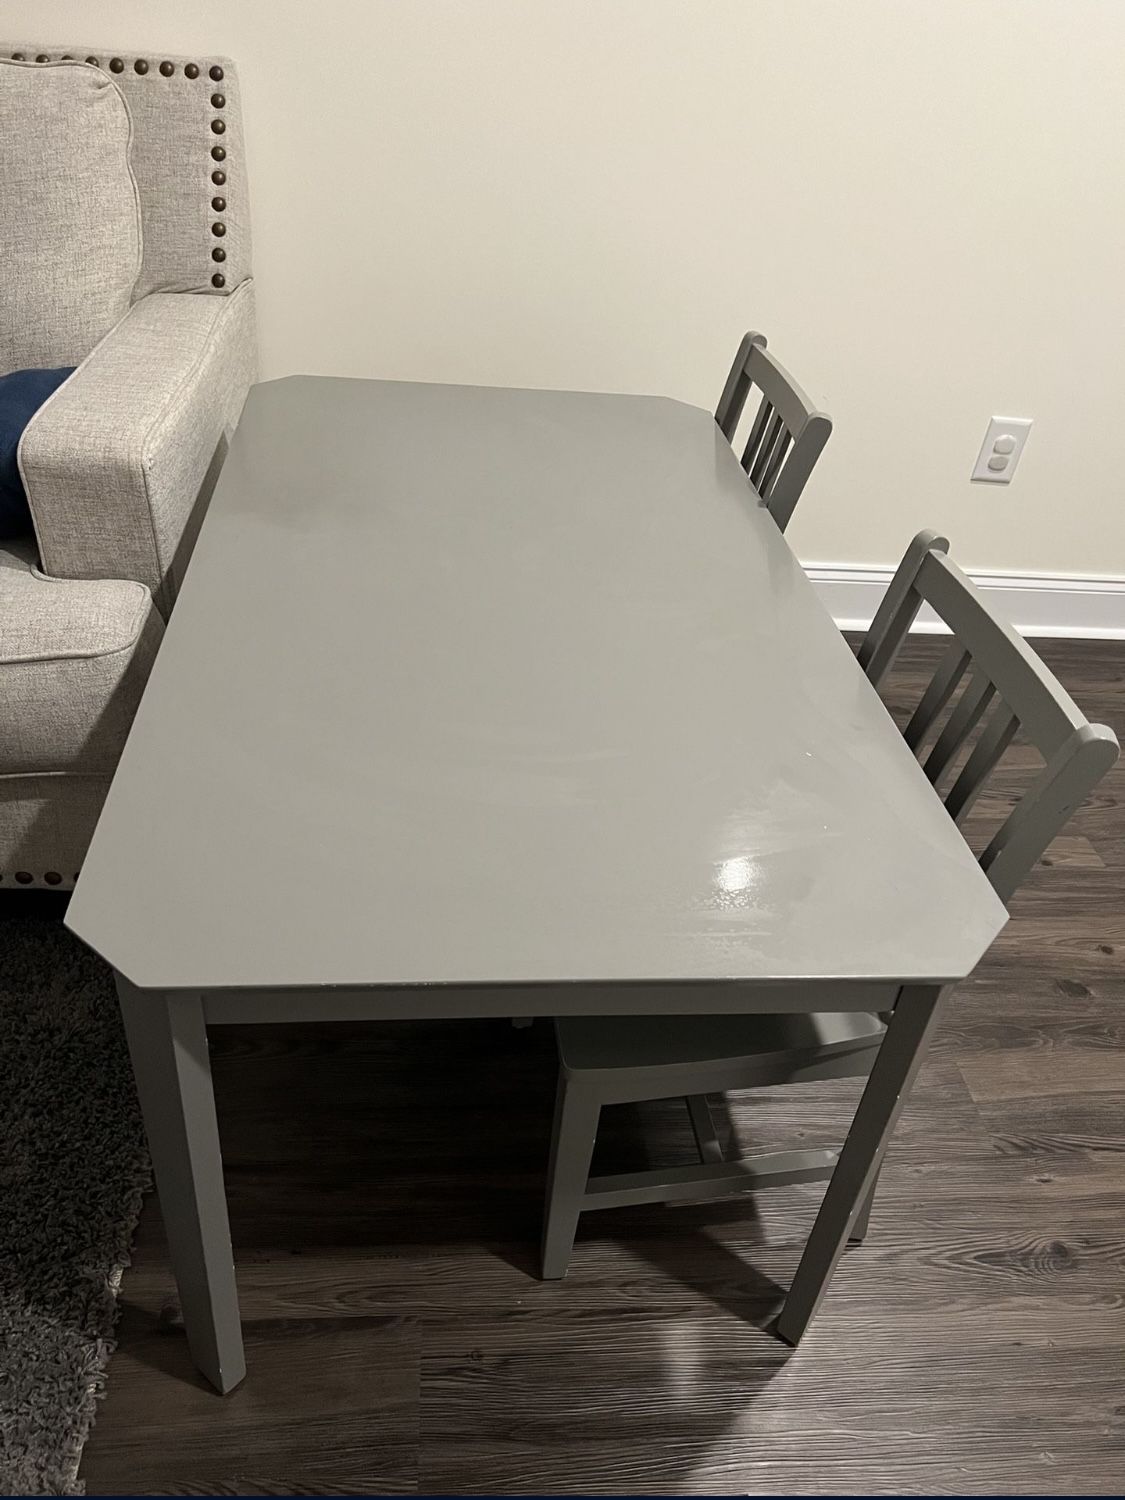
{"x": 1003, "y": 433}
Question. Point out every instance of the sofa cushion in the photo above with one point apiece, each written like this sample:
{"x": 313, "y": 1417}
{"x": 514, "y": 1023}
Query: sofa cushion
{"x": 74, "y": 658}
{"x": 22, "y": 393}
{"x": 188, "y": 159}
{"x": 70, "y": 228}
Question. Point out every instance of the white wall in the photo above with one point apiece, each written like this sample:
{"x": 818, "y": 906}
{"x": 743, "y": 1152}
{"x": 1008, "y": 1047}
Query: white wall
{"x": 923, "y": 205}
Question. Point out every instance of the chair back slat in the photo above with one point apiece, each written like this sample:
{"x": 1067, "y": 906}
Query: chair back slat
{"x": 962, "y": 721}
{"x": 787, "y": 435}
{"x": 942, "y": 686}
{"x": 1005, "y": 671}
{"x": 757, "y": 435}
{"x": 764, "y": 455}
{"x": 777, "y": 459}
{"x": 997, "y": 735}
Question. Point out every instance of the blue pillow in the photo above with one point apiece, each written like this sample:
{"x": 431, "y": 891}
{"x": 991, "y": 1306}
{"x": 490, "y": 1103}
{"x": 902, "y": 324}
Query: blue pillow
{"x": 22, "y": 393}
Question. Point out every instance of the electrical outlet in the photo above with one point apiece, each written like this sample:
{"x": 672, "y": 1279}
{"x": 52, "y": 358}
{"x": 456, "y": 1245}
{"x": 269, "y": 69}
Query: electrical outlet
{"x": 1000, "y": 452}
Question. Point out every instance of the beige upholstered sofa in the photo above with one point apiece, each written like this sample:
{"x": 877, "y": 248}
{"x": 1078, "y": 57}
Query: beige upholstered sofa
{"x": 125, "y": 251}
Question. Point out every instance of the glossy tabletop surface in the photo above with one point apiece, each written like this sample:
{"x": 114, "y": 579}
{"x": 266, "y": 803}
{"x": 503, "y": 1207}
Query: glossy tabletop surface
{"x": 472, "y": 685}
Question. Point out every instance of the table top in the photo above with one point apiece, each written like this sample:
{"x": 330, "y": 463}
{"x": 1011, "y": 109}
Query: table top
{"x": 481, "y": 686}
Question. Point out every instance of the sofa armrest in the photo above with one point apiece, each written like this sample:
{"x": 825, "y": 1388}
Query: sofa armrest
{"x": 119, "y": 464}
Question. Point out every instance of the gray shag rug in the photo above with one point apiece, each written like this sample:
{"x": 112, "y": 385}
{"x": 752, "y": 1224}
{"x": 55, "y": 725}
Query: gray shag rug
{"x": 73, "y": 1170}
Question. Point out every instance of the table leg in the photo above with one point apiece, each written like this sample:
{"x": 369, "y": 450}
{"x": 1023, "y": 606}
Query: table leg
{"x": 898, "y": 1060}
{"x": 168, "y": 1047}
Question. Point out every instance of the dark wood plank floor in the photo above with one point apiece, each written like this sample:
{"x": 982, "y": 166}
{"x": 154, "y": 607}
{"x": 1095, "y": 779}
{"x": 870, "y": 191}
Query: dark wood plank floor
{"x": 385, "y": 1190}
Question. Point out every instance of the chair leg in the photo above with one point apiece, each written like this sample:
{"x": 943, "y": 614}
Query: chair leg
{"x": 858, "y": 1231}
{"x": 577, "y": 1110}
{"x": 703, "y": 1124}
{"x": 896, "y": 1064}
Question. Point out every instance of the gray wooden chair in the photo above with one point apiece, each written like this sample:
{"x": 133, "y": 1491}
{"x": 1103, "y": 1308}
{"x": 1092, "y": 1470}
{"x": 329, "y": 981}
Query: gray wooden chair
{"x": 619, "y": 1059}
{"x": 787, "y": 434}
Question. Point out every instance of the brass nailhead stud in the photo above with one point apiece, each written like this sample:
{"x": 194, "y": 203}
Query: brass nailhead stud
{"x": 218, "y": 253}
{"x": 218, "y": 279}
{"x": 94, "y": 62}
{"x": 215, "y": 74}
{"x": 67, "y": 57}
{"x": 140, "y": 66}
{"x": 116, "y": 65}
{"x": 191, "y": 70}
{"x": 52, "y": 877}
{"x": 167, "y": 69}
{"x": 19, "y": 57}
{"x": 42, "y": 57}
{"x": 24, "y": 877}
{"x": 218, "y": 153}
{"x": 218, "y": 204}
{"x": 219, "y": 229}
{"x": 218, "y": 126}
{"x": 218, "y": 178}
{"x": 218, "y": 101}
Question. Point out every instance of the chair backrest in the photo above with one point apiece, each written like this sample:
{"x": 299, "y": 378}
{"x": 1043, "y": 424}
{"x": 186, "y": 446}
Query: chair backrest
{"x": 1007, "y": 689}
{"x": 187, "y": 157}
{"x": 786, "y": 435}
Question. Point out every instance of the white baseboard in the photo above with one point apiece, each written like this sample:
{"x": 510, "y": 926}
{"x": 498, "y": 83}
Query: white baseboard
{"x": 1035, "y": 603}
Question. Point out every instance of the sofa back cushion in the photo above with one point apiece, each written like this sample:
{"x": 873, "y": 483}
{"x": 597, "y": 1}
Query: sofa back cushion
{"x": 70, "y": 226}
{"x": 188, "y": 159}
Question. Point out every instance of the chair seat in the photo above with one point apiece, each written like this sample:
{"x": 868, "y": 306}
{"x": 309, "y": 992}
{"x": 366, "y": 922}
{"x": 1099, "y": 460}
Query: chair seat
{"x": 596, "y": 1043}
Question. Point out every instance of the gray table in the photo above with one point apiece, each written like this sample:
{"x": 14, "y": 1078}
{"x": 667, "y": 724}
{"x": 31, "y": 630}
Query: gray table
{"x": 484, "y": 702}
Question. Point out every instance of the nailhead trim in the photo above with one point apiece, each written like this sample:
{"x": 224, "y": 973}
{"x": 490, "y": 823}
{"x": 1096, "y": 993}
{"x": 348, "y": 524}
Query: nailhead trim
{"x": 218, "y": 177}
{"x": 167, "y": 69}
{"x": 116, "y": 65}
{"x": 218, "y": 203}
{"x": 191, "y": 70}
{"x": 140, "y": 66}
